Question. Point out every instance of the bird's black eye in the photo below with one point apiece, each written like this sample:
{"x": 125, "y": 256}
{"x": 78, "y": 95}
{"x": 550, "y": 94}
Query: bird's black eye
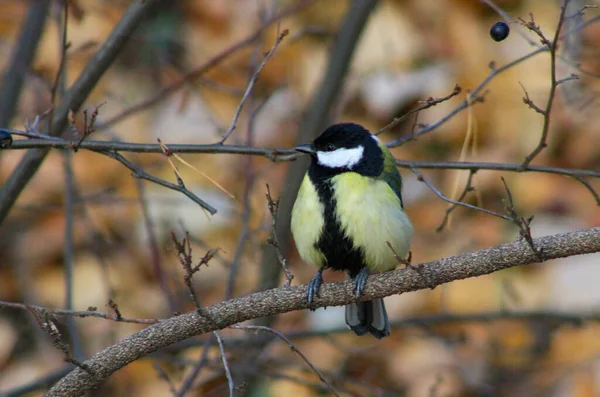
{"x": 330, "y": 147}
{"x": 499, "y": 31}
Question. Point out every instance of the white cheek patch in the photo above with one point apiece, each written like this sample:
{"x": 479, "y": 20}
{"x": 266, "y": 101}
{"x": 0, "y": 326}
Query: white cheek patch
{"x": 341, "y": 158}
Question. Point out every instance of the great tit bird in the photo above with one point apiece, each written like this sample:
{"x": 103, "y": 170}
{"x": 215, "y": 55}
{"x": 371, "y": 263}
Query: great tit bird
{"x": 349, "y": 207}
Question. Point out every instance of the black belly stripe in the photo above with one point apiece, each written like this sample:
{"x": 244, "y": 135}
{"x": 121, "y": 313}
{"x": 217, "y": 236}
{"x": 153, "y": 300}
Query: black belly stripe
{"x": 338, "y": 249}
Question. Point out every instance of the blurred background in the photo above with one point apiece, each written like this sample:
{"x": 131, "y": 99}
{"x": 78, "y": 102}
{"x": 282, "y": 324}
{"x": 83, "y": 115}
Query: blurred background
{"x": 509, "y": 333}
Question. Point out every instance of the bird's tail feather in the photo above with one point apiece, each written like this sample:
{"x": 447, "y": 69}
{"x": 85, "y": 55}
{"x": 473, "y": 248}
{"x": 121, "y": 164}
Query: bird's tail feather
{"x": 371, "y": 316}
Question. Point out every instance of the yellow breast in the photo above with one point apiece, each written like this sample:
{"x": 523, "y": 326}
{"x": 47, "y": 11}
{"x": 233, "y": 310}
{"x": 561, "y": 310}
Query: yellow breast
{"x": 307, "y": 223}
{"x": 371, "y": 215}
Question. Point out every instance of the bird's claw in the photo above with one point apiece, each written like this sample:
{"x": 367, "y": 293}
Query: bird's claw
{"x": 360, "y": 281}
{"x": 314, "y": 285}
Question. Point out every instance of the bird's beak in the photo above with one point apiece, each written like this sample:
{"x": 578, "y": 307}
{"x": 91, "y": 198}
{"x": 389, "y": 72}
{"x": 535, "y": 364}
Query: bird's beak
{"x": 306, "y": 148}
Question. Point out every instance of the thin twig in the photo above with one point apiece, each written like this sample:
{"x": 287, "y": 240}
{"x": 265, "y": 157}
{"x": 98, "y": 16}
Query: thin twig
{"x": 476, "y": 96}
{"x": 153, "y": 245}
{"x": 46, "y": 322}
{"x": 225, "y": 364}
{"x": 468, "y": 188}
{"x": 448, "y": 200}
{"x": 292, "y": 347}
{"x": 274, "y": 154}
{"x": 184, "y": 253}
{"x": 115, "y": 308}
{"x": 59, "y": 87}
{"x": 91, "y": 312}
{"x": 168, "y": 152}
{"x": 273, "y": 240}
{"x": 68, "y": 250}
{"x": 250, "y": 180}
{"x": 89, "y": 125}
{"x": 180, "y": 187}
{"x": 253, "y": 79}
{"x": 522, "y": 222}
{"x": 578, "y": 175}
{"x": 552, "y": 47}
{"x": 588, "y": 186}
{"x": 428, "y": 103}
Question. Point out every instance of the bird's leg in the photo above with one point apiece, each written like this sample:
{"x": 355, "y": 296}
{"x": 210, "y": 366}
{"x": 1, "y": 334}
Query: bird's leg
{"x": 314, "y": 285}
{"x": 360, "y": 281}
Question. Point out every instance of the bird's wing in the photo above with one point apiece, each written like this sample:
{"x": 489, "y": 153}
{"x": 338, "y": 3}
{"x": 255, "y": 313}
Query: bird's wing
{"x": 390, "y": 173}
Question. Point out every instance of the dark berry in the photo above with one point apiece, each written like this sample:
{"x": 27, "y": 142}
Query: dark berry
{"x": 5, "y": 139}
{"x": 499, "y": 31}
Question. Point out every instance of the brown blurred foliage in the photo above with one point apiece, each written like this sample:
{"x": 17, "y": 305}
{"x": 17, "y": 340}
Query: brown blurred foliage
{"x": 410, "y": 50}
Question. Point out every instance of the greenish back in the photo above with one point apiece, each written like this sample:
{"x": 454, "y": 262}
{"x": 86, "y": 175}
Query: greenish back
{"x": 390, "y": 172}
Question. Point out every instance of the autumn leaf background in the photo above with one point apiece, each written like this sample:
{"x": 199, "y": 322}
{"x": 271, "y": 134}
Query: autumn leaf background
{"x": 410, "y": 50}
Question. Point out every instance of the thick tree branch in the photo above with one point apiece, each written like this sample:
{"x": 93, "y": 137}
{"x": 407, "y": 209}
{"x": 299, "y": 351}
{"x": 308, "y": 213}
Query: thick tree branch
{"x": 281, "y": 300}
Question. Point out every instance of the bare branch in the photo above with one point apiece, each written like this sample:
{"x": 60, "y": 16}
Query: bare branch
{"x": 180, "y": 187}
{"x": 552, "y": 47}
{"x": 522, "y": 222}
{"x": 46, "y": 322}
{"x": 274, "y": 154}
{"x": 287, "y": 154}
{"x": 428, "y": 103}
{"x": 253, "y": 79}
{"x": 527, "y": 101}
{"x": 468, "y": 188}
{"x": 273, "y": 240}
{"x": 578, "y": 175}
{"x": 225, "y": 364}
{"x": 91, "y": 312}
{"x": 448, "y": 200}
{"x": 280, "y": 300}
{"x": 184, "y": 253}
{"x": 475, "y": 96}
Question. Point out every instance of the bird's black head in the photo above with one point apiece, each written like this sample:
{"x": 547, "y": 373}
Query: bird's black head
{"x": 344, "y": 147}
